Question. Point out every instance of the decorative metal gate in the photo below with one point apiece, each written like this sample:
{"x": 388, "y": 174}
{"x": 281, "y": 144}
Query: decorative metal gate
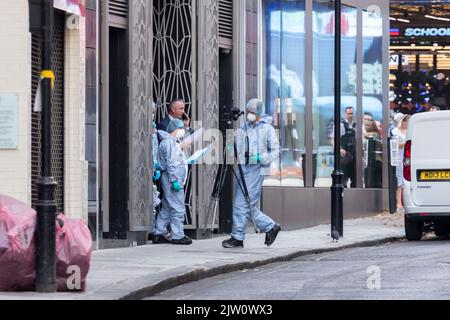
{"x": 57, "y": 121}
{"x": 173, "y": 67}
{"x": 180, "y": 57}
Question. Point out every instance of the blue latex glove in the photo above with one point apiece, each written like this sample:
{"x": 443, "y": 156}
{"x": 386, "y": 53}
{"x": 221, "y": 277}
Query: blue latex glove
{"x": 156, "y": 165}
{"x": 176, "y": 186}
{"x": 190, "y": 162}
{"x": 255, "y": 159}
{"x": 156, "y": 175}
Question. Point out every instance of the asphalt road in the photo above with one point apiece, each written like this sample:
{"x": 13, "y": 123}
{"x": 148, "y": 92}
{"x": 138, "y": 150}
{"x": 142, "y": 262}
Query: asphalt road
{"x": 404, "y": 270}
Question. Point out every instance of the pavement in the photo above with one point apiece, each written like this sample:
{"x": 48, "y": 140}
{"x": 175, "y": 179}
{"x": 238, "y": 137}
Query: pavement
{"x": 139, "y": 272}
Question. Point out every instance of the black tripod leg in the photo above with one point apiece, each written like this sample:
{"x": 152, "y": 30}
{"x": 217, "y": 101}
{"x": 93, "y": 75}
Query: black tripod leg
{"x": 220, "y": 177}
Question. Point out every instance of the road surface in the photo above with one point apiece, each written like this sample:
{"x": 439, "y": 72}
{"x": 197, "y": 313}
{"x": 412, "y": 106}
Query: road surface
{"x": 419, "y": 270}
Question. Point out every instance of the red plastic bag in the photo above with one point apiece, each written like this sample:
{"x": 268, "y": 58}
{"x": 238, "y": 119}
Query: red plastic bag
{"x": 73, "y": 254}
{"x": 17, "y": 249}
{"x": 17, "y": 245}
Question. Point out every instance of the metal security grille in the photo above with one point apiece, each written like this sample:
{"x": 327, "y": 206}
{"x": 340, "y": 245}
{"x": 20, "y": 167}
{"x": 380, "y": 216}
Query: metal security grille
{"x": 226, "y": 23}
{"x": 57, "y": 112}
{"x": 36, "y": 63}
{"x": 172, "y": 67}
{"x": 118, "y": 12}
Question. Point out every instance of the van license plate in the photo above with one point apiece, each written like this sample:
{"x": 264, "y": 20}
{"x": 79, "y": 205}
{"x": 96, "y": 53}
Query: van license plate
{"x": 434, "y": 175}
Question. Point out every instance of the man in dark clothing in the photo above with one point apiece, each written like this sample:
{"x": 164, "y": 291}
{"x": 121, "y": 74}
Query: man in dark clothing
{"x": 348, "y": 146}
{"x": 177, "y": 110}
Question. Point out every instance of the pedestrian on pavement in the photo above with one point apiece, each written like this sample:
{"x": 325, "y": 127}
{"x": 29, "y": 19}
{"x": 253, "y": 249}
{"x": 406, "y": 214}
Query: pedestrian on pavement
{"x": 400, "y": 134}
{"x": 174, "y": 168}
{"x": 258, "y": 146}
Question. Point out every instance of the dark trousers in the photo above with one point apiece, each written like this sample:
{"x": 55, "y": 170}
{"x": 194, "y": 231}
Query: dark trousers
{"x": 349, "y": 171}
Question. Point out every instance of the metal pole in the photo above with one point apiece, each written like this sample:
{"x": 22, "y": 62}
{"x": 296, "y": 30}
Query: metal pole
{"x": 46, "y": 204}
{"x": 337, "y": 189}
{"x": 392, "y": 181}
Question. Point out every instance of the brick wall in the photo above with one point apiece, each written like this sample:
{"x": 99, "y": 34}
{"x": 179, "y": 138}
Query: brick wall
{"x": 15, "y": 77}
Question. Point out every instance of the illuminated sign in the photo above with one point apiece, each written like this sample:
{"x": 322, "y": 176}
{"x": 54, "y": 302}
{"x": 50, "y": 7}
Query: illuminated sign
{"x": 394, "y": 32}
{"x": 427, "y": 32}
{"x": 394, "y": 60}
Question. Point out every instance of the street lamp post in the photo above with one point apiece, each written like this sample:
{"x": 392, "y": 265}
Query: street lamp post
{"x": 337, "y": 189}
{"x": 46, "y": 204}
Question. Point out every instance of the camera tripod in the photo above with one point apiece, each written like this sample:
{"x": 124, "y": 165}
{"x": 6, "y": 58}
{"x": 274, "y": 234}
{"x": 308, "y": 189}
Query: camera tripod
{"x": 219, "y": 183}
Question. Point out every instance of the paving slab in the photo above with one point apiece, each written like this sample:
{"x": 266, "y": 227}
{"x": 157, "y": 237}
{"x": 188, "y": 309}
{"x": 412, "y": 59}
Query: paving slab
{"x": 139, "y": 272}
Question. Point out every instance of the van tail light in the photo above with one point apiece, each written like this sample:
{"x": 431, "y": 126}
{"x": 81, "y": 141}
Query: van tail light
{"x": 407, "y": 162}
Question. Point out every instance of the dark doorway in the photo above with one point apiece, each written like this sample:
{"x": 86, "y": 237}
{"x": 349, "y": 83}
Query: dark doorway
{"x": 118, "y": 134}
{"x": 226, "y": 101}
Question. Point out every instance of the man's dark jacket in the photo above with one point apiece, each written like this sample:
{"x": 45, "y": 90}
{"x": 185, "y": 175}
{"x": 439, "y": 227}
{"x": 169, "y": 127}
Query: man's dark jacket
{"x": 164, "y": 124}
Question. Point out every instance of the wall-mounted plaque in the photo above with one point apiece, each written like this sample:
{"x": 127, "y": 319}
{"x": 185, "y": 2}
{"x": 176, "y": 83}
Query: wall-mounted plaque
{"x": 9, "y": 108}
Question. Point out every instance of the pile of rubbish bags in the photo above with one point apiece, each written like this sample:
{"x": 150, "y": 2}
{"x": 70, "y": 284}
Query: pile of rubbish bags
{"x": 18, "y": 243}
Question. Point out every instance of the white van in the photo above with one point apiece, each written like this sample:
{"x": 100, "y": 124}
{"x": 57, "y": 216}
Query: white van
{"x": 427, "y": 174}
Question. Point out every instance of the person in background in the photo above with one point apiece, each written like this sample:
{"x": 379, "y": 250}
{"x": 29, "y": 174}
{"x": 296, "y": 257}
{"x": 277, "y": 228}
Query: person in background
{"x": 368, "y": 117}
{"x": 348, "y": 147}
{"x": 258, "y": 146}
{"x": 371, "y": 130}
{"x": 400, "y": 134}
{"x": 174, "y": 168}
{"x": 423, "y": 106}
{"x": 156, "y": 172}
{"x": 372, "y": 157}
{"x": 434, "y": 109}
{"x": 176, "y": 110}
{"x": 397, "y": 119}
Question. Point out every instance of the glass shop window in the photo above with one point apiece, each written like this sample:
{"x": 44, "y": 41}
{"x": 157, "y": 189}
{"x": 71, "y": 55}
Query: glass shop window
{"x": 284, "y": 82}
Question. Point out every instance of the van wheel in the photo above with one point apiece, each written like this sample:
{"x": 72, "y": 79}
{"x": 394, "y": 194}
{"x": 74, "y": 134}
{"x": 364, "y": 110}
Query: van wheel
{"x": 413, "y": 230}
{"x": 442, "y": 230}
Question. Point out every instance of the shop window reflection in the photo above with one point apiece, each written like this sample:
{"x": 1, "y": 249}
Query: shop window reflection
{"x": 372, "y": 101}
{"x": 285, "y": 87}
{"x": 323, "y": 93}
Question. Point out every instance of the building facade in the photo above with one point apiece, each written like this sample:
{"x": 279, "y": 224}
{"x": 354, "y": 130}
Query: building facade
{"x": 283, "y": 53}
{"x": 21, "y": 62}
{"x": 114, "y": 57}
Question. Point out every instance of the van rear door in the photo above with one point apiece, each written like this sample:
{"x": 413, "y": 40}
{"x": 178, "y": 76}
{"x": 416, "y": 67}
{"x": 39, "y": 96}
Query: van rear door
{"x": 430, "y": 159}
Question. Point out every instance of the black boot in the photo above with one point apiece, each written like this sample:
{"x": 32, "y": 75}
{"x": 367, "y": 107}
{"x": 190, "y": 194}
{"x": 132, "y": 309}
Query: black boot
{"x": 160, "y": 240}
{"x": 186, "y": 241}
{"x": 232, "y": 243}
{"x": 271, "y": 236}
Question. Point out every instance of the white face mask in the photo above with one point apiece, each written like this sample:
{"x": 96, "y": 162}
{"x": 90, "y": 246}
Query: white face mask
{"x": 180, "y": 134}
{"x": 251, "y": 117}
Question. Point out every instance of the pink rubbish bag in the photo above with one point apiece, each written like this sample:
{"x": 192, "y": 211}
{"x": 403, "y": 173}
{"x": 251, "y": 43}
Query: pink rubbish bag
{"x": 17, "y": 245}
{"x": 17, "y": 249}
{"x": 73, "y": 254}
